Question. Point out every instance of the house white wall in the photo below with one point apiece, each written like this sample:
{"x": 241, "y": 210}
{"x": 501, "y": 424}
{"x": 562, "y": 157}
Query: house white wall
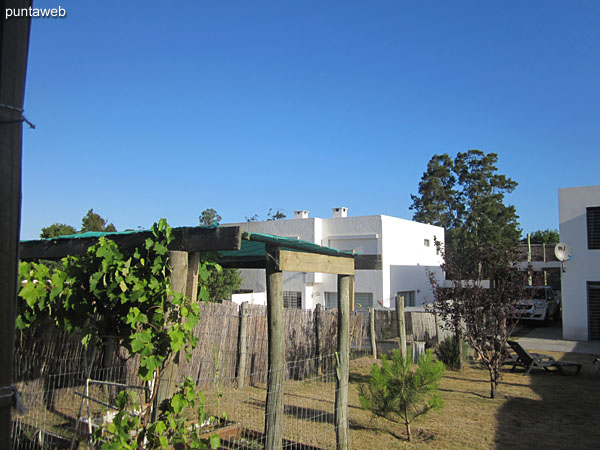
{"x": 401, "y": 244}
{"x": 585, "y": 265}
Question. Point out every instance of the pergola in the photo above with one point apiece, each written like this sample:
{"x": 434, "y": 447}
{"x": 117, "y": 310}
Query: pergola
{"x": 235, "y": 248}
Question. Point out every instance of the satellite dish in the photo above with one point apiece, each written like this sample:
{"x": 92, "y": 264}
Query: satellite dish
{"x": 562, "y": 252}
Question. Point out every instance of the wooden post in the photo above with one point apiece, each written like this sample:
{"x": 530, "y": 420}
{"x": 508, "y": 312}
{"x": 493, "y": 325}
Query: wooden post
{"x": 14, "y": 42}
{"x": 242, "y": 345}
{"x": 191, "y": 288}
{"x": 345, "y": 285}
{"x": 438, "y": 339}
{"x": 372, "y": 332}
{"x": 169, "y": 376}
{"x": 318, "y": 339}
{"x": 276, "y": 358}
{"x": 401, "y": 323}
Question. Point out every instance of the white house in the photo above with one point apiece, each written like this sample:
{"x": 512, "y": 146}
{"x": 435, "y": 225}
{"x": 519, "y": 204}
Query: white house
{"x": 579, "y": 213}
{"x": 404, "y": 252}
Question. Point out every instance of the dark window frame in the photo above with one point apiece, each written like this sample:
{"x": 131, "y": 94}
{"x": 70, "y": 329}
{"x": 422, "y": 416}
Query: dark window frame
{"x": 592, "y": 214}
{"x": 593, "y": 309}
{"x": 292, "y": 299}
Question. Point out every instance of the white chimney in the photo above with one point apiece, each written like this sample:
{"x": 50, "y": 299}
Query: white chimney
{"x": 301, "y": 214}
{"x": 342, "y": 211}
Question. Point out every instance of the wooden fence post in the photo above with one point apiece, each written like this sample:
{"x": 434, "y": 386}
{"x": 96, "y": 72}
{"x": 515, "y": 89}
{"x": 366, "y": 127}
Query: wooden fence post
{"x": 372, "y": 332}
{"x": 437, "y": 329}
{"x": 14, "y": 45}
{"x": 276, "y": 360}
{"x": 170, "y": 372}
{"x": 317, "y": 319}
{"x": 345, "y": 285}
{"x": 242, "y": 345}
{"x": 191, "y": 288}
{"x": 401, "y": 323}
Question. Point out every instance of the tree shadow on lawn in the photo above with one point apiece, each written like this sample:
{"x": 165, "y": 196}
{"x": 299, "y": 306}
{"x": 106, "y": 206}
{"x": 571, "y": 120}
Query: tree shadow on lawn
{"x": 485, "y": 381}
{"x": 300, "y": 412}
{"x": 553, "y": 411}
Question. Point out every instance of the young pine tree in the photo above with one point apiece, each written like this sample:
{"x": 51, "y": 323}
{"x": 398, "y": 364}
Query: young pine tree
{"x": 400, "y": 394}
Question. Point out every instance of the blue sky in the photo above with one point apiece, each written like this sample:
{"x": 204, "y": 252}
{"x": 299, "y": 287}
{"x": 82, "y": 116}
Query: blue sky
{"x": 162, "y": 109}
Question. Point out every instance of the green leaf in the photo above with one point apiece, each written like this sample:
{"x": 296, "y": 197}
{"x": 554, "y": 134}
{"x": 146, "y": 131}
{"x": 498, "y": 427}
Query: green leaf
{"x": 20, "y": 324}
{"x": 178, "y": 403}
{"x": 139, "y": 340}
{"x": 215, "y": 441}
{"x": 164, "y": 442}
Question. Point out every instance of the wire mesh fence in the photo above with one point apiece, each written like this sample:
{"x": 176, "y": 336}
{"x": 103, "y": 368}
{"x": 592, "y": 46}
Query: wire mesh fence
{"x": 69, "y": 390}
{"x": 68, "y": 397}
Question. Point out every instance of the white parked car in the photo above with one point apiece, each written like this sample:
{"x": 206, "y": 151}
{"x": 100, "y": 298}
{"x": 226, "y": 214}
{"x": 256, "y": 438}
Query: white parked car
{"x": 540, "y": 303}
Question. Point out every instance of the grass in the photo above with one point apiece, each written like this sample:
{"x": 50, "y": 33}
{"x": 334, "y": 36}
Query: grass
{"x": 541, "y": 410}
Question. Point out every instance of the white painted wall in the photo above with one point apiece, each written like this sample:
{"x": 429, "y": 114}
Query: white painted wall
{"x": 253, "y": 298}
{"x": 405, "y": 258}
{"x": 585, "y": 265}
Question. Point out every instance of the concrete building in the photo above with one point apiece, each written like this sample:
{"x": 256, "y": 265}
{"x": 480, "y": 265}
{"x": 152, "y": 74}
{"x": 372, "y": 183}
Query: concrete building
{"x": 579, "y": 213}
{"x": 404, "y": 251}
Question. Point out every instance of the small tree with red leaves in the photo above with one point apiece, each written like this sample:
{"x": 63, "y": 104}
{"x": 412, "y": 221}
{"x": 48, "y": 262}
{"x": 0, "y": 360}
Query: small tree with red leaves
{"x": 482, "y": 315}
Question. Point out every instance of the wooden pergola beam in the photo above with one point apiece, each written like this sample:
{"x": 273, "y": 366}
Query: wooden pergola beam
{"x": 313, "y": 262}
{"x": 188, "y": 239}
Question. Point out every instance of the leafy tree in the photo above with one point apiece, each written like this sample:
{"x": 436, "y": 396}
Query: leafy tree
{"x": 466, "y": 197}
{"x": 57, "y": 229}
{"x": 221, "y": 283}
{"x": 277, "y": 215}
{"x": 94, "y": 222}
{"x": 544, "y": 237}
{"x": 209, "y": 217}
{"x": 483, "y": 316}
{"x": 396, "y": 391}
{"x": 126, "y": 294}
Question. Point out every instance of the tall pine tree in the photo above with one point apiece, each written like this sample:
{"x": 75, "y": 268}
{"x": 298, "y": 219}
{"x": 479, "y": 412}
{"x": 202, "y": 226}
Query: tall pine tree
{"x": 466, "y": 197}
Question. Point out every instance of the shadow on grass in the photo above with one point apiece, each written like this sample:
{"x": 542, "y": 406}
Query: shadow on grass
{"x": 354, "y": 377}
{"x": 464, "y": 392}
{"x": 300, "y": 412}
{"x": 561, "y": 412}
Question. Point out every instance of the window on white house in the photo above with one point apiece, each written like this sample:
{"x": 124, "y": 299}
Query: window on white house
{"x": 426, "y": 242}
{"x": 292, "y": 299}
{"x": 362, "y": 300}
{"x": 593, "y": 227}
{"x": 409, "y": 297}
{"x": 331, "y": 300}
{"x": 593, "y": 309}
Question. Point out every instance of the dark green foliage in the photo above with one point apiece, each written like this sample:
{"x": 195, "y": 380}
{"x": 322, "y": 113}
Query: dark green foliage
{"x": 209, "y": 217}
{"x": 396, "y": 391}
{"x": 449, "y": 353}
{"x": 57, "y": 229}
{"x": 543, "y": 237}
{"x": 466, "y": 197}
{"x": 277, "y": 215}
{"x": 94, "y": 222}
{"x": 221, "y": 283}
